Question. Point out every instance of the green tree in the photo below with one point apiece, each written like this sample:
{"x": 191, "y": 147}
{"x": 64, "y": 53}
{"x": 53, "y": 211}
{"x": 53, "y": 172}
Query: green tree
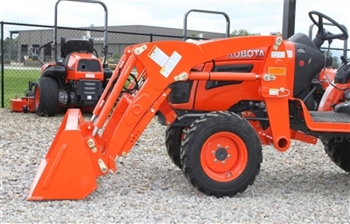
{"x": 116, "y": 56}
{"x": 10, "y": 49}
{"x": 335, "y": 63}
{"x": 240, "y": 32}
{"x": 335, "y": 59}
{"x": 194, "y": 35}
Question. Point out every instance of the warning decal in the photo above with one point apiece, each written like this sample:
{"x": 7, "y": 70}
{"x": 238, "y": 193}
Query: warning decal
{"x": 273, "y": 92}
{"x": 158, "y": 56}
{"x": 277, "y": 71}
{"x": 166, "y": 63}
{"x": 278, "y": 54}
{"x": 170, "y": 64}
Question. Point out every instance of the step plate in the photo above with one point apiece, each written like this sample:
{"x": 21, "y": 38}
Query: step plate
{"x": 330, "y": 117}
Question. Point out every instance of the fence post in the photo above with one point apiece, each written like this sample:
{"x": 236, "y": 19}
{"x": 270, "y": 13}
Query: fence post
{"x": 345, "y": 49}
{"x": 151, "y": 37}
{"x": 2, "y": 66}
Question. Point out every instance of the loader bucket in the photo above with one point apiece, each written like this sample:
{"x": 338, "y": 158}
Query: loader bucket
{"x": 67, "y": 171}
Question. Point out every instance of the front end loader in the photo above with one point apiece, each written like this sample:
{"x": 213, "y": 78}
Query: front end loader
{"x": 221, "y": 150}
{"x": 75, "y": 80}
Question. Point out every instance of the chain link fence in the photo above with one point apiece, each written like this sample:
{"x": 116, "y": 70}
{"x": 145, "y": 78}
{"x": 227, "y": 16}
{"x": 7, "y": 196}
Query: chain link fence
{"x": 21, "y": 60}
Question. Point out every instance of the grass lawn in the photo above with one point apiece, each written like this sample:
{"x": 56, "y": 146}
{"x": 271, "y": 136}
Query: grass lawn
{"x": 16, "y": 82}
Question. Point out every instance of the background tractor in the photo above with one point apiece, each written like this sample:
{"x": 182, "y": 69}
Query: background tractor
{"x": 76, "y": 79}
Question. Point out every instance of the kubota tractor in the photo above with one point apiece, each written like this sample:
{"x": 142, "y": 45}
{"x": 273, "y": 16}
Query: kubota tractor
{"x": 76, "y": 79}
{"x": 193, "y": 98}
{"x": 221, "y": 149}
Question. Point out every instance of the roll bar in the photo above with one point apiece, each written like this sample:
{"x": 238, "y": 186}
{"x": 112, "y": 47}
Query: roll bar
{"x": 105, "y": 31}
{"x": 208, "y": 12}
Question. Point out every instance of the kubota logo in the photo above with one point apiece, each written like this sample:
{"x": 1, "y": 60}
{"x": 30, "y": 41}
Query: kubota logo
{"x": 247, "y": 54}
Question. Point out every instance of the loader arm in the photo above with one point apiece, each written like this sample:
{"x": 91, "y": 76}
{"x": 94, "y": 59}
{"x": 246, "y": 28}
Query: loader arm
{"x": 121, "y": 116}
{"x": 135, "y": 112}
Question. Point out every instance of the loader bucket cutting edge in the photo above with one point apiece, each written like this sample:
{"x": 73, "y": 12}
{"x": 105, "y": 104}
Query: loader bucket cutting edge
{"x": 67, "y": 171}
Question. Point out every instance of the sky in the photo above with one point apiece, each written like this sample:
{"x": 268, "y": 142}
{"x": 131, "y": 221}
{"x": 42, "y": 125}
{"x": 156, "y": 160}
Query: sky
{"x": 259, "y": 16}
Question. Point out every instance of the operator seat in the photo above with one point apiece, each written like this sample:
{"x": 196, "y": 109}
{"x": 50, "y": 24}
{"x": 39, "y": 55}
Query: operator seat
{"x": 302, "y": 39}
{"x": 76, "y": 45}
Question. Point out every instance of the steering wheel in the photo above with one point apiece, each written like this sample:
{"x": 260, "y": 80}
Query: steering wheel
{"x": 41, "y": 47}
{"x": 322, "y": 33}
{"x": 95, "y": 52}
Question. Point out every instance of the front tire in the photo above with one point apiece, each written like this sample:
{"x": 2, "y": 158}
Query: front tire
{"x": 221, "y": 154}
{"x": 173, "y": 139}
{"x": 339, "y": 151}
{"x": 46, "y": 97}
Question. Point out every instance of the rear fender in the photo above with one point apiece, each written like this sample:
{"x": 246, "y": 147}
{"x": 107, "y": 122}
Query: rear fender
{"x": 333, "y": 95}
{"x": 326, "y": 75}
{"x": 45, "y": 66}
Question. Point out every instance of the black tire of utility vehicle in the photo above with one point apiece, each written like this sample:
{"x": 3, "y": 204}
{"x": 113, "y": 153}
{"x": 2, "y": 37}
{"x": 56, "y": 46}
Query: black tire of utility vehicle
{"x": 173, "y": 139}
{"x": 310, "y": 103}
{"x": 46, "y": 97}
{"x": 338, "y": 149}
{"x": 239, "y": 138}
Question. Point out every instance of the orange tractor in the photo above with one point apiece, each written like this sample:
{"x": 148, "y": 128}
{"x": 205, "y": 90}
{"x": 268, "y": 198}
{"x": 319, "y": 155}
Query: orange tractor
{"x": 190, "y": 99}
{"x": 76, "y": 79}
{"x": 221, "y": 149}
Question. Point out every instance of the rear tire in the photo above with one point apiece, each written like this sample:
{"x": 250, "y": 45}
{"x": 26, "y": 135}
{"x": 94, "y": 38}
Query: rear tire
{"x": 311, "y": 103}
{"x": 173, "y": 139}
{"x": 46, "y": 97}
{"x": 221, "y": 154}
{"x": 339, "y": 151}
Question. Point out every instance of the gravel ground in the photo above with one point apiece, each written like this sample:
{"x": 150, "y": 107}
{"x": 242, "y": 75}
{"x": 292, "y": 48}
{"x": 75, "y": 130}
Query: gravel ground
{"x": 297, "y": 186}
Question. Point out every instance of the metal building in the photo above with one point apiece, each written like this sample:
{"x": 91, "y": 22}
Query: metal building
{"x": 119, "y": 37}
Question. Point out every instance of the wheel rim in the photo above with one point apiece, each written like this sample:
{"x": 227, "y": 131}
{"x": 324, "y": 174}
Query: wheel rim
{"x": 37, "y": 97}
{"x": 224, "y": 156}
